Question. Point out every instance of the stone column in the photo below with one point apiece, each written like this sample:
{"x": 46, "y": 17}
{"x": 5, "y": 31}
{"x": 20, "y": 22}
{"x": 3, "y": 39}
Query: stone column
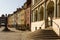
{"x": 46, "y": 15}
{"x": 58, "y": 11}
{"x": 58, "y": 8}
{"x": 55, "y": 9}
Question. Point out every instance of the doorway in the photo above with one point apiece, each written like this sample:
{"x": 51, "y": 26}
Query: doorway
{"x": 50, "y": 12}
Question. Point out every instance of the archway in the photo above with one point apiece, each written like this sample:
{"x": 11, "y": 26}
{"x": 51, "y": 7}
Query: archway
{"x": 35, "y": 15}
{"x": 41, "y": 13}
{"x": 50, "y": 12}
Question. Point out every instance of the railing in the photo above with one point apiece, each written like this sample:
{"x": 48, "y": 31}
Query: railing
{"x": 35, "y": 4}
{"x": 36, "y": 1}
{"x": 56, "y": 23}
{"x": 56, "y": 28}
{"x": 49, "y": 21}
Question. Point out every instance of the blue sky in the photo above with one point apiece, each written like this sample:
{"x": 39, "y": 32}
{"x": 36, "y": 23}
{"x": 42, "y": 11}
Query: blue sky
{"x": 9, "y": 6}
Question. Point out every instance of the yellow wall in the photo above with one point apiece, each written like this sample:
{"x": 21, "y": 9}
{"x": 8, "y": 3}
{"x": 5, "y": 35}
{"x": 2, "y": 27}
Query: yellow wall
{"x": 22, "y": 17}
{"x": 11, "y": 20}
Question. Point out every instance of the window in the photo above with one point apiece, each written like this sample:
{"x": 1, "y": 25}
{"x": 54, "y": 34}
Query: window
{"x": 41, "y": 13}
{"x": 35, "y": 16}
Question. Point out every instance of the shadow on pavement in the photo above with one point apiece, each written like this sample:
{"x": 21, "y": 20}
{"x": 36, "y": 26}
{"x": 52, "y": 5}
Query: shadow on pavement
{"x": 7, "y": 30}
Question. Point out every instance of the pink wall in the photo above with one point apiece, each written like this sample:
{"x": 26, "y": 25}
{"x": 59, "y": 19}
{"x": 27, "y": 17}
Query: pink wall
{"x": 28, "y": 16}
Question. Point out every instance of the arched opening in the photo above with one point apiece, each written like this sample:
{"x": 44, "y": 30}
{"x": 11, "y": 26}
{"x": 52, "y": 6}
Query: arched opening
{"x": 41, "y": 13}
{"x": 50, "y": 12}
{"x": 35, "y": 15}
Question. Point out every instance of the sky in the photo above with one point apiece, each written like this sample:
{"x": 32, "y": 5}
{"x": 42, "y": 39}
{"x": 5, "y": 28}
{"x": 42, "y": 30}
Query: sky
{"x": 9, "y": 6}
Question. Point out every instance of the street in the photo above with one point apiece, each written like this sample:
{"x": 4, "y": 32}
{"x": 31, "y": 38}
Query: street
{"x": 14, "y": 35}
{"x": 17, "y": 35}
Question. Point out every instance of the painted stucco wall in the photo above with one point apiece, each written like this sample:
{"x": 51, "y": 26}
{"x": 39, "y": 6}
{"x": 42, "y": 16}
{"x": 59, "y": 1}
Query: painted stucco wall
{"x": 38, "y": 25}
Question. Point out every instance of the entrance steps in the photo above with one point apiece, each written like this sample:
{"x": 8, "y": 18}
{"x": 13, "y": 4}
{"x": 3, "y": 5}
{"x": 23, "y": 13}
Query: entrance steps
{"x": 48, "y": 28}
{"x": 44, "y": 34}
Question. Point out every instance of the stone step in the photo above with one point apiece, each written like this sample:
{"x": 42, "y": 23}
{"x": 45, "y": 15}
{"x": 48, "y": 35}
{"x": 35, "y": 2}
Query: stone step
{"x": 47, "y": 37}
{"x": 44, "y": 34}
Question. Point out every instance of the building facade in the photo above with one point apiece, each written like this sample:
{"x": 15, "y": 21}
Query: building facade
{"x": 10, "y": 20}
{"x": 45, "y": 14}
{"x": 18, "y": 17}
{"x": 28, "y": 12}
{"x": 22, "y": 18}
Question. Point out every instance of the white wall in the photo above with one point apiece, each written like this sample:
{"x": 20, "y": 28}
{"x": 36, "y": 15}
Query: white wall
{"x": 38, "y": 25}
{"x": 55, "y": 27}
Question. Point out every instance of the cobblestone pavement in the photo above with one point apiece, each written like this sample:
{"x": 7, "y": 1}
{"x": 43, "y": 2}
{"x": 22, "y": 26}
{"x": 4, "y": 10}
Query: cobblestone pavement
{"x": 15, "y": 35}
